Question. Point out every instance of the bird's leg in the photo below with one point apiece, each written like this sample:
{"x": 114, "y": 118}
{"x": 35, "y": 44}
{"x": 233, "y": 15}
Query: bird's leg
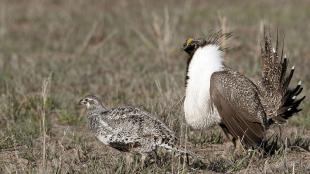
{"x": 187, "y": 159}
{"x": 227, "y": 141}
{"x": 129, "y": 160}
{"x": 157, "y": 158}
{"x": 143, "y": 158}
{"x": 280, "y": 131}
{"x": 238, "y": 148}
{"x": 226, "y": 132}
{"x": 234, "y": 140}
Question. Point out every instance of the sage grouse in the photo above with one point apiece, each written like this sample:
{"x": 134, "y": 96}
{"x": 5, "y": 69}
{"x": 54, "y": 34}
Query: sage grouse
{"x": 244, "y": 109}
{"x": 127, "y": 129}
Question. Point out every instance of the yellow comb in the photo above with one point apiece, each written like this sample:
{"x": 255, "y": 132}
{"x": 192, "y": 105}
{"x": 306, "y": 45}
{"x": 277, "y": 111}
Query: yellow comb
{"x": 189, "y": 40}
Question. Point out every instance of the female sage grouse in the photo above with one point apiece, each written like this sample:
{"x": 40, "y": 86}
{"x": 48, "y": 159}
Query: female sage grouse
{"x": 216, "y": 94}
{"x": 128, "y": 129}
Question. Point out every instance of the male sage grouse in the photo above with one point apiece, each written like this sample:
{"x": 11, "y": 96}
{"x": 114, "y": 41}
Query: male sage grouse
{"x": 128, "y": 129}
{"x": 216, "y": 94}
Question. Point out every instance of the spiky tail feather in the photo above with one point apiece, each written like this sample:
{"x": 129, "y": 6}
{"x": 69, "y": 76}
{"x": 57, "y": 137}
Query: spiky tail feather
{"x": 290, "y": 105}
{"x": 276, "y": 83}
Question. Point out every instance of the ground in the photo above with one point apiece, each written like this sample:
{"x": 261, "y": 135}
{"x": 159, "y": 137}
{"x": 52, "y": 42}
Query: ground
{"x": 53, "y": 52}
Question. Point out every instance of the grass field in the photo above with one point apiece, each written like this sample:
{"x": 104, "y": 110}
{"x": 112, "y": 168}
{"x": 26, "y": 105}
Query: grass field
{"x": 53, "y": 52}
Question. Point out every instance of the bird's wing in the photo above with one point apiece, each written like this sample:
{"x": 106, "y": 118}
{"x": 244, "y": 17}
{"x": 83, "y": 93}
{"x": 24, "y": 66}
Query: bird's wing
{"x": 123, "y": 132}
{"x": 137, "y": 123}
{"x": 238, "y": 104}
{"x": 122, "y": 143}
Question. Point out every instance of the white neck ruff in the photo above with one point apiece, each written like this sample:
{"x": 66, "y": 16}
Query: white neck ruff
{"x": 197, "y": 107}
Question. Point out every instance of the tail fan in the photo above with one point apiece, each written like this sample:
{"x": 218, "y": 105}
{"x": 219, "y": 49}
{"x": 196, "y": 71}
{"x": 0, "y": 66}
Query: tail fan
{"x": 280, "y": 101}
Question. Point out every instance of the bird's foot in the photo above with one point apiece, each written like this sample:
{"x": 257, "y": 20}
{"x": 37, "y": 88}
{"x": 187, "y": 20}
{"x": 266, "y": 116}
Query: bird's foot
{"x": 238, "y": 149}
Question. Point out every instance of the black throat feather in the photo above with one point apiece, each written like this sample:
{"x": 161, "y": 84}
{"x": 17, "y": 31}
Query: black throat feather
{"x": 216, "y": 38}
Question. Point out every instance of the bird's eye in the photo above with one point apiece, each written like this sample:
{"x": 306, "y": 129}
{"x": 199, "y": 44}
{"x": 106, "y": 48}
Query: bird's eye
{"x": 86, "y": 99}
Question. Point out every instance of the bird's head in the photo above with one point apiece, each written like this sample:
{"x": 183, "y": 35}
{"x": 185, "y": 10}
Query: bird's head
{"x": 91, "y": 102}
{"x": 191, "y": 45}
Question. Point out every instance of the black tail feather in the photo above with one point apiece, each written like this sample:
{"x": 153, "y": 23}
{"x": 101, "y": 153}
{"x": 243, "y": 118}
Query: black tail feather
{"x": 288, "y": 79}
{"x": 284, "y": 68}
{"x": 290, "y": 105}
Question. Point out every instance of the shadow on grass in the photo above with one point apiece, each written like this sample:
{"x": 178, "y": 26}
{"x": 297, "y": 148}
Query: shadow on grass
{"x": 273, "y": 147}
{"x": 276, "y": 145}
